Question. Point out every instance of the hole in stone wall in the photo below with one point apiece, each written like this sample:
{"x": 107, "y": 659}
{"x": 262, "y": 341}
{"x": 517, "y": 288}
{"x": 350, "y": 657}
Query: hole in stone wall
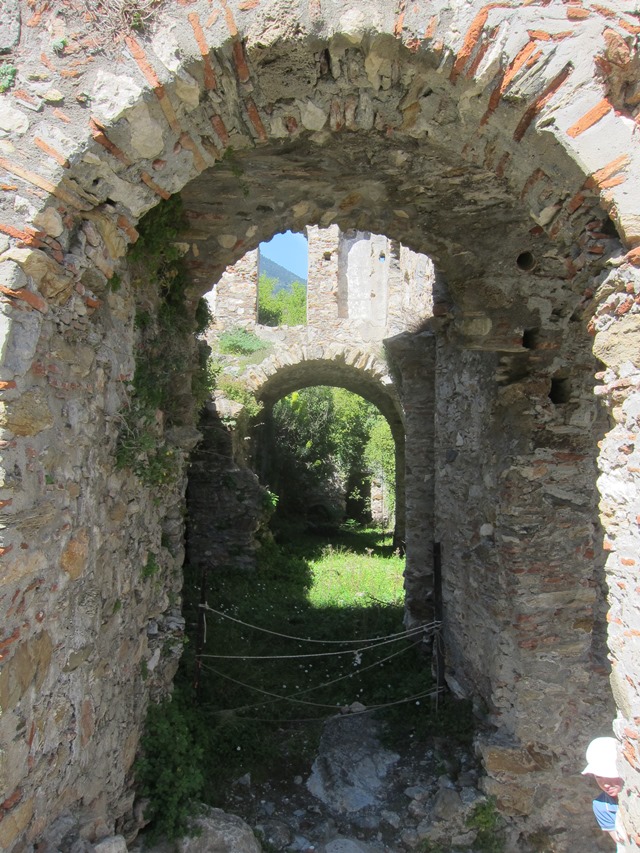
{"x": 560, "y": 391}
{"x": 526, "y": 261}
{"x": 382, "y": 257}
{"x": 609, "y": 228}
{"x": 531, "y": 338}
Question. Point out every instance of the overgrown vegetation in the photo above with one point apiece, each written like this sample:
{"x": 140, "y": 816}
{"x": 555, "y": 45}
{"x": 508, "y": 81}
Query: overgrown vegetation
{"x": 235, "y": 389}
{"x": 164, "y": 355}
{"x": 151, "y": 567}
{"x": 281, "y": 307}
{"x": 169, "y": 772}
{"x": 330, "y": 442}
{"x": 240, "y": 341}
{"x": 490, "y": 826}
{"x": 245, "y": 711}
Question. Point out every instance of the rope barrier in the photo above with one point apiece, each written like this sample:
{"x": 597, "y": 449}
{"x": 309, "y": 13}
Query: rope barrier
{"x": 316, "y": 704}
{"x": 367, "y": 710}
{"x": 408, "y": 633}
{"x": 307, "y": 690}
{"x": 356, "y": 652}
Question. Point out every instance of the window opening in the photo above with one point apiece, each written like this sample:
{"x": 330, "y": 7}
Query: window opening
{"x": 283, "y": 265}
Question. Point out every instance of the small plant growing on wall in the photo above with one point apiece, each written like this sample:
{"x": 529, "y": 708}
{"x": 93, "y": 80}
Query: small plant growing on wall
{"x": 7, "y": 76}
{"x": 486, "y": 819}
{"x": 151, "y": 567}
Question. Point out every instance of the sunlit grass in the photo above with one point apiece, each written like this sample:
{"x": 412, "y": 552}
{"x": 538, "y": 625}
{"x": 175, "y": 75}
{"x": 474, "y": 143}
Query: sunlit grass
{"x": 343, "y": 578}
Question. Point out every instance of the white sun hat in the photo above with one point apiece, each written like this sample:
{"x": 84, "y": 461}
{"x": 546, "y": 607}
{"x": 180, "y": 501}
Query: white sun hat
{"x": 601, "y": 758}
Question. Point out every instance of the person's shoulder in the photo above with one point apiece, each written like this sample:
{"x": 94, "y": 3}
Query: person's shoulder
{"x": 605, "y": 808}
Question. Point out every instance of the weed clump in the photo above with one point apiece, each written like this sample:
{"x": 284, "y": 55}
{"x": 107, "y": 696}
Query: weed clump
{"x": 236, "y": 390}
{"x": 240, "y": 342}
{"x": 7, "y": 76}
{"x": 169, "y": 770}
{"x": 486, "y": 819}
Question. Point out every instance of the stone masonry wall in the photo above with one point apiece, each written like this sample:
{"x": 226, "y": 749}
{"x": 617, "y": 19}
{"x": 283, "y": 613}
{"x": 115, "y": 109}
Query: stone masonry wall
{"x": 499, "y": 141}
{"x": 234, "y": 300}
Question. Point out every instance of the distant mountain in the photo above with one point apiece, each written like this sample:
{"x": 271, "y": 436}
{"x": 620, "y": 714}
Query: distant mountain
{"x": 284, "y": 277}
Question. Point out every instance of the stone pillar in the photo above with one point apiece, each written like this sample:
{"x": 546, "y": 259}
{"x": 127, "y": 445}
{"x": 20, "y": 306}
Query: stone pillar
{"x": 516, "y": 513}
{"x": 616, "y": 328}
{"x": 322, "y": 283}
{"x": 413, "y": 358}
{"x": 235, "y": 298}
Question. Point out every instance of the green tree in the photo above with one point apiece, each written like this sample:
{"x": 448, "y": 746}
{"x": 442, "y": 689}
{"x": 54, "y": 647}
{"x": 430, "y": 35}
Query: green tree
{"x": 321, "y": 449}
{"x": 379, "y": 454}
{"x": 281, "y": 307}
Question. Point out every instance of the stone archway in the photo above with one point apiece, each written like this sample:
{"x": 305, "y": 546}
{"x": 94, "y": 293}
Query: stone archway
{"x": 474, "y": 136}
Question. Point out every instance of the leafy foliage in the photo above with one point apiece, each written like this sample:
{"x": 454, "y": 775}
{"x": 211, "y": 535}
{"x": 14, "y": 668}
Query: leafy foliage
{"x": 151, "y": 567}
{"x": 490, "y": 825}
{"x": 235, "y": 389}
{"x": 325, "y": 437}
{"x": 7, "y": 76}
{"x": 203, "y": 316}
{"x": 283, "y": 307}
{"x": 141, "y": 450}
{"x": 169, "y": 771}
{"x": 379, "y": 455}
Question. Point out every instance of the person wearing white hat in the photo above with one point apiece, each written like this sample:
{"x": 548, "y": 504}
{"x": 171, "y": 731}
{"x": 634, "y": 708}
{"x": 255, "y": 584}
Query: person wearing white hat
{"x": 601, "y": 764}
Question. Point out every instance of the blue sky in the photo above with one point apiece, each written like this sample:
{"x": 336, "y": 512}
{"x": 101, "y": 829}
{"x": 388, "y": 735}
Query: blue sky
{"x": 289, "y": 250}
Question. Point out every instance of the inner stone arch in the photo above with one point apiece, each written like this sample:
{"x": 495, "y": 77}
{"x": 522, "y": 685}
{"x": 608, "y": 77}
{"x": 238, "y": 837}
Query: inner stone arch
{"x": 450, "y": 139}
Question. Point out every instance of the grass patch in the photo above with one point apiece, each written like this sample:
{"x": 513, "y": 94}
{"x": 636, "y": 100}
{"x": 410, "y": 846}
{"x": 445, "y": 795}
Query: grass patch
{"x": 342, "y": 577}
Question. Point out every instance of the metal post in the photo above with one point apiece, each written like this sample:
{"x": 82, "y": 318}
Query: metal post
{"x": 438, "y": 646}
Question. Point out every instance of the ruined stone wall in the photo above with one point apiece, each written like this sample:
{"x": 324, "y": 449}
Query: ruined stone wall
{"x": 234, "y": 299}
{"x": 501, "y": 143}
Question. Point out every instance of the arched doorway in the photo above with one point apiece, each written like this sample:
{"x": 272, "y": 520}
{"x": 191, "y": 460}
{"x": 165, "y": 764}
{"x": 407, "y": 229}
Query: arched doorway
{"x": 476, "y": 142}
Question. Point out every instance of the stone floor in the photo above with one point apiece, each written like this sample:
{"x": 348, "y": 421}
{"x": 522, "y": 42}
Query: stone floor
{"x": 361, "y": 796}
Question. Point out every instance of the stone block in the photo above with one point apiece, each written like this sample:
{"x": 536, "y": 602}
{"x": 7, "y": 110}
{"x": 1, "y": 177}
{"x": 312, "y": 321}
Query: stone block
{"x": 114, "y": 844}
{"x": 50, "y": 278}
{"x": 221, "y": 832}
{"x": 14, "y": 823}
{"x": 146, "y": 132}
{"x": 618, "y": 343}
{"x": 50, "y": 221}
{"x": 75, "y": 555}
{"x": 12, "y": 120}
{"x": 511, "y": 799}
{"x": 113, "y": 94}
{"x": 28, "y": 666}
{"x": 28, "y": 415}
